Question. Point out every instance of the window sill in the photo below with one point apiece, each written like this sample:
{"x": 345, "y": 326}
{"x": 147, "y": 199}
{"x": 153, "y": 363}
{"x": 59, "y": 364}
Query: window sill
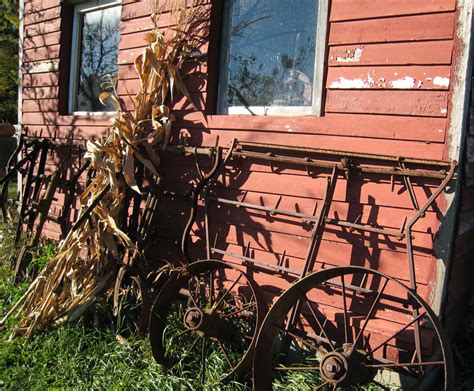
{"x": 271, "y": 111}
{"x": 93, "y": 113}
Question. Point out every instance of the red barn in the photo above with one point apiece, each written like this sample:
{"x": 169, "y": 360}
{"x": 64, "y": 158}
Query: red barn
{"x": 384, "y": 77}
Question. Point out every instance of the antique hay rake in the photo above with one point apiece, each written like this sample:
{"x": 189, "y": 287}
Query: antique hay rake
{"x": 341, "y": 325}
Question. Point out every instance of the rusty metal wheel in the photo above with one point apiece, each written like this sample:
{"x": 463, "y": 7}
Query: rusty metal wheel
{"x": 205, "y": 320}
{"x": 346, "y": 327}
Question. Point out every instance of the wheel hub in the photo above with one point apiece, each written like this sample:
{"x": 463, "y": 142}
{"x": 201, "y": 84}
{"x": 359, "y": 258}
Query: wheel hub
{"x": 334, "y": 367}
{"x": 346, "y": 367}
{"x": 208, "y": 323}
{"x": 193, "y": 318}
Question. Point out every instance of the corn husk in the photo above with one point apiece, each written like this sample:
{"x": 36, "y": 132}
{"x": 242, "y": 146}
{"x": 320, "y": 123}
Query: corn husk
{"x": 71, "y": 282}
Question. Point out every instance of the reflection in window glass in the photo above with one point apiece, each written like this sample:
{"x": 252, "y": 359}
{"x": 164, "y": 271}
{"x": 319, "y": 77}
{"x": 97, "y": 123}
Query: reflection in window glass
{"x": 99, "y": 40}
{"x": 270, "y": 53}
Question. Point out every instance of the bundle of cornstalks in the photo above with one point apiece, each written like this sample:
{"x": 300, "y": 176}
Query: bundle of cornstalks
{"x": 71, "y": 282}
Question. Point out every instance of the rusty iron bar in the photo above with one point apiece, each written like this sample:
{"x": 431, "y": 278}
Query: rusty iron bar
{"x": 342, "y": 167}
{"x": 310, "y": 218}
{"x": 40, "y": 209}
{"x": 387, "y": 158}
{"x": 257, "y": 262}
{"x": 181, "y": 149}
{"x": 411, "y": 190}
{"x": 364, "y": 227}
{"x": 43, "y": 207}
{"x": 418, "y": 215}
{"x": 409, "y": 245}
{"x": 371, "y": 292}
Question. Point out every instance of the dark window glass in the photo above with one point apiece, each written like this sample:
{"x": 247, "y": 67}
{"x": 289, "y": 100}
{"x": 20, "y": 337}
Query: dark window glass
{"x": 100, "y": 36}
{"x": 269, "y": 49}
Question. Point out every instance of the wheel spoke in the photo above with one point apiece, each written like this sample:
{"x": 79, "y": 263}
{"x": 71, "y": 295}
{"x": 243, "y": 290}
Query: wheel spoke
{"x": 228, "y": 290}
{"x": 300, "y": 338}
{"x": 182, "y": 333}
{"x": 371, "y": 311}
{"x": 406, "y": 364}
{"x": 320, "y": 387}
{"x": 398, "y": 332}
{"x": 191, "y": 295}
{"x": 192, "y": 346}
{"x": 345, "y": 309}
{"x": 284, "y": 369}
{"x": 418, "y": 353}
{"x": 203, "y": 360}
{"x": 211, "y": 288}
{"x": 221, "y": 345}
{"x": 319, "y": 323}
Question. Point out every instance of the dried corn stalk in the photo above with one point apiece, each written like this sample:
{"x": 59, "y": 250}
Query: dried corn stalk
{"x": 69, "y": 284}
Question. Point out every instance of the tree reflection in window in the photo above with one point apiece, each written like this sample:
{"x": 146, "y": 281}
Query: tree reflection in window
{"x": 271, "y": 53}
{"x": 100, "y": 36}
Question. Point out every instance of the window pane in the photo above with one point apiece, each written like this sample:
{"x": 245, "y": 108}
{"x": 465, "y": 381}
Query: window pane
{"x": 98, "y": 56}
{"x": 272, "y": 52}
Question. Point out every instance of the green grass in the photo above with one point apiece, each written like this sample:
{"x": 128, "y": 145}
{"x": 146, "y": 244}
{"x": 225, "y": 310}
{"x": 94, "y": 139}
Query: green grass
{"x": 12, "y": 190}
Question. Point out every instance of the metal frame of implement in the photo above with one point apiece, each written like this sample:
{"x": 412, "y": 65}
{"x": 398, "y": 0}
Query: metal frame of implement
{"x": 339, "y": 165}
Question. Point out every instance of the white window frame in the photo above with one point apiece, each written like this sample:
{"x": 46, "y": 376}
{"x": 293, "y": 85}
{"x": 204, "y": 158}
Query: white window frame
{"x": 79, "y": 11}
{"x": 318, "y": 78}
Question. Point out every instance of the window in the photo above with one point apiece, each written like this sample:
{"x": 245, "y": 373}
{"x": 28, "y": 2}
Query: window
{"x": 272, "y": 57}
{"x": 94, "y": 52}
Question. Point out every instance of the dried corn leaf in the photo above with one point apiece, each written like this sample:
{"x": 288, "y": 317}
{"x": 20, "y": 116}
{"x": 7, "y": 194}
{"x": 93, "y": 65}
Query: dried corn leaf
{"x": 84, "y": 268}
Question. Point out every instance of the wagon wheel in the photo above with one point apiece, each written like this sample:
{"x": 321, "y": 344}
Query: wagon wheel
{"x": 205, "y": 321}
{"x": 350, "y": 325}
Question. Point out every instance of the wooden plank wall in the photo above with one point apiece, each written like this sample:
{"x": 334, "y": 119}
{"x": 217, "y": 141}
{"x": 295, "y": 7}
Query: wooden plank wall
{"x": 387, "y": 91}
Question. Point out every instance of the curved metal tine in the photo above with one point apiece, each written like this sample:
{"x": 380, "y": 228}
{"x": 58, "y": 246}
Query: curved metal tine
{"x": 244, "y": 308}
{"x": 218, "y": 165}
{"x": 371, "y": 311}
{"x": 199, "y": 170}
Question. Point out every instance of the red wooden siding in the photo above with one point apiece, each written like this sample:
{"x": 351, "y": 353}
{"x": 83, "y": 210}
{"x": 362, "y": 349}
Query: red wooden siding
{"x": 387, "y": 90}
